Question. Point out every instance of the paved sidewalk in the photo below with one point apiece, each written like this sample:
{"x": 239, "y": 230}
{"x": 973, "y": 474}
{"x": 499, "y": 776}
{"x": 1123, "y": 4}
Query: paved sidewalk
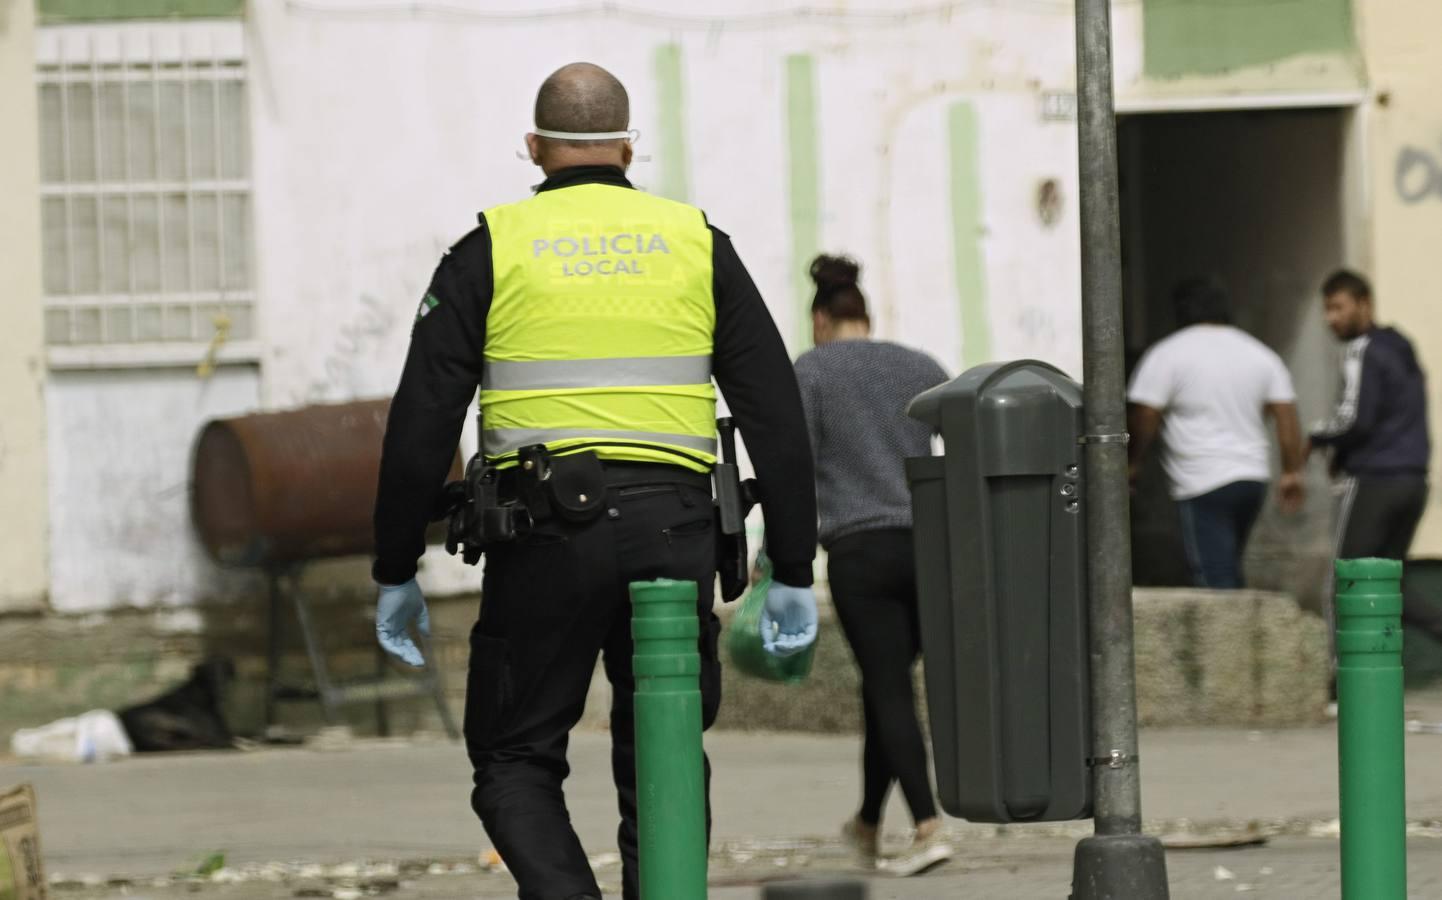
{"x": 992, "y": 869}
{"x": 778, "y": 802}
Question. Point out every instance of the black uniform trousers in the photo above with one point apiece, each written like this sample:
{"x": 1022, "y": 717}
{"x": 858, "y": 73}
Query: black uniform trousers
{"x": 551, "y": 602}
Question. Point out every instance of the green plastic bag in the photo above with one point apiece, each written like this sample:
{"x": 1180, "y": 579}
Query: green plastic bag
{"x": 743, "y": 638}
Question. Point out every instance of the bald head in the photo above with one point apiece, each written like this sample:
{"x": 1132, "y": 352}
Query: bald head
{"x": 582, "y": 97}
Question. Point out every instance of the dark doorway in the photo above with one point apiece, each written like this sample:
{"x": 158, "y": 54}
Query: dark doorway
{"x": 1257, "y": 198}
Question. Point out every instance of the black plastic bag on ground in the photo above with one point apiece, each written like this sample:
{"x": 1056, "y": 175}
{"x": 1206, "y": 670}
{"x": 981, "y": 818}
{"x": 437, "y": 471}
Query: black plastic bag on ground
{"x": 190, "y": 717}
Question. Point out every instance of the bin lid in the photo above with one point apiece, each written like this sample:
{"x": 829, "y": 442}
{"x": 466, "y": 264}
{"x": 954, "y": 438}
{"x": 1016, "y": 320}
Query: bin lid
{"x": 928, "y": 406}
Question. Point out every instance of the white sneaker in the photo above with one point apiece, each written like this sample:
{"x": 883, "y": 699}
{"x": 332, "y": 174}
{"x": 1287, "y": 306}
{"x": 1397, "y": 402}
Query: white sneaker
{"x": 922, "y": 856}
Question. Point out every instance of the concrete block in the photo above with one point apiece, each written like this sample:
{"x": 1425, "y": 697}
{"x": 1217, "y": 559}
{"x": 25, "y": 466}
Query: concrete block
{"x": 1246, "y": 658}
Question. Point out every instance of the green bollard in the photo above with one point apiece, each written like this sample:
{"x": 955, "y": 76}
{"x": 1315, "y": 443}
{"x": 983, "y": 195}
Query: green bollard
{"x": 670, "y": 779}
{"x": 1370, "y": 729}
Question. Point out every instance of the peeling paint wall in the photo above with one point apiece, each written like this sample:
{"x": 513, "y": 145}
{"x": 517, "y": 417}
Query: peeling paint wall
{"x": 1404, "y": 168}
{"x": 119, "y": 486}
{"x": 111, "y": 10}
{"x": 1207, "y": 37}
{"x": 1177, "y": 53}
{"x": 22, "y": 358}
{"x": 382, "y": 128}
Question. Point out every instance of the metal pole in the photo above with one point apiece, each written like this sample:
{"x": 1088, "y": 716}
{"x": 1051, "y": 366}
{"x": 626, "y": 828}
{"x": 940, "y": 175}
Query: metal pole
{"x": 274, "y": 648}
{"x": 1369, "y": 729}
{"x": 670, "y": 780}
{"x": 1118, "y": 861}
{"x": 1109, "y": 572}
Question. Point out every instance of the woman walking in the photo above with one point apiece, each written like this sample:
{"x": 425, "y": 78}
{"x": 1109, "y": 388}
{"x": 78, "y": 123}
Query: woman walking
{"x": 855, "y": 391}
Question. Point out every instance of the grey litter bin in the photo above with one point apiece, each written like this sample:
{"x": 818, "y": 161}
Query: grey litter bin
{"x": 1001, "y": 576}
{"x": 815, "y": 889}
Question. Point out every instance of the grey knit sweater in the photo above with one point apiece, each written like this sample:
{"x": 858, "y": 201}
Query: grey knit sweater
{"x": 855, "y": 395}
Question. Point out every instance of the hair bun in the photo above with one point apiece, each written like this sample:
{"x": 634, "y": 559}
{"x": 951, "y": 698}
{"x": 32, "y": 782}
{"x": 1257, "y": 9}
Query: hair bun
{"x": 835, "y": 272}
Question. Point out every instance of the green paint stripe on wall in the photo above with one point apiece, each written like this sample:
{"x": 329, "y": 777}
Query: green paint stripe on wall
{"x": 966, "y": 230}
{"x": 108, "y": 10}
{"x": 674, "y": 168}
{"x": 804, "y": 183}
{"x": 1205, "y": 37}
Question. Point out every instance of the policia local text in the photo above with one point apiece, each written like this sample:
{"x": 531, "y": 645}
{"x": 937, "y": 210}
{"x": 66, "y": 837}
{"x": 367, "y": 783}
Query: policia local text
{"x": 619, "y": 244}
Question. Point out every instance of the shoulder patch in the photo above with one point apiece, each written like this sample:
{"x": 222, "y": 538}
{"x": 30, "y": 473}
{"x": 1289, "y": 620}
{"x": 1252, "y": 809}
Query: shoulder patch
{"x": 428, "y": 302}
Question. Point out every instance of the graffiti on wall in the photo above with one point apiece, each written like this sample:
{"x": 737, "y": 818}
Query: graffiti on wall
{"x": 353, "y": 350}
{"x": 1036, "y": 324}
{"x": 1418, "y": 175}
{"x": 359, "y": 353}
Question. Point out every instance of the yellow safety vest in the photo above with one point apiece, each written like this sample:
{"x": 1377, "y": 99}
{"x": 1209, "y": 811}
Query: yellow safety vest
{"x": 601, "y": 328}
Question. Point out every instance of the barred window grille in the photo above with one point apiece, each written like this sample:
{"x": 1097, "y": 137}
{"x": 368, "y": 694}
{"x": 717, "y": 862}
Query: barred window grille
{"x": 145, "y": 185}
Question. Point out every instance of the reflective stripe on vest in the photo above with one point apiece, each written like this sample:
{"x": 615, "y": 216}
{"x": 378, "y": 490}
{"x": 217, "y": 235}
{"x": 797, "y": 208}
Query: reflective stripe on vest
{"x": 508, "y": 440}
{"x": 594, "y": 373}
{"x": 601, "y": 327}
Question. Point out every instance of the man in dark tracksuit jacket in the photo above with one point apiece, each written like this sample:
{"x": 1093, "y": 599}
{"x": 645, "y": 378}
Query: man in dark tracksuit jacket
{"x": 1378, "y": 434}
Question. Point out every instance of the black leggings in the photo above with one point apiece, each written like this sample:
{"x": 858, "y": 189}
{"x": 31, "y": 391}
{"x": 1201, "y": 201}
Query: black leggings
{"x": 873, "y": 585}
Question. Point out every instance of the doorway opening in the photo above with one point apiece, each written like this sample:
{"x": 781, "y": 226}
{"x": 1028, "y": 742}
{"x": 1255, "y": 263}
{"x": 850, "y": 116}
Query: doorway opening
{"x": 1260, "y": 199}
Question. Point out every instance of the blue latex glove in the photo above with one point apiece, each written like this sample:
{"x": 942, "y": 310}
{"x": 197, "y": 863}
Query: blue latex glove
{"x": 396, "y": 608}
{"x": 788, "y": 624}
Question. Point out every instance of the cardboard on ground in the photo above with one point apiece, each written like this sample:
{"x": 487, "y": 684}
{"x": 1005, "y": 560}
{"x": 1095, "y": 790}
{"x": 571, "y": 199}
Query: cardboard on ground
{"x": 21, "y": 875}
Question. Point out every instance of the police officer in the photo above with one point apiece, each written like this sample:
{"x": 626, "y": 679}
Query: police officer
{"x": 593, "y": 317}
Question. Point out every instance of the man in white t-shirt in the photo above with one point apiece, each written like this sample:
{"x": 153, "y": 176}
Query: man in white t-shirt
{"x": 1208, "y": 389}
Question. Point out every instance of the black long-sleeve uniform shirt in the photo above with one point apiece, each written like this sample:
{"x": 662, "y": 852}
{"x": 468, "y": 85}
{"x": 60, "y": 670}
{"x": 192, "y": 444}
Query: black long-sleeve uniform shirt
{"x": 443, "y": 371}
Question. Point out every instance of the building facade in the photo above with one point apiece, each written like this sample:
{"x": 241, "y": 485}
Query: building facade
{"x": 238, "y": 205}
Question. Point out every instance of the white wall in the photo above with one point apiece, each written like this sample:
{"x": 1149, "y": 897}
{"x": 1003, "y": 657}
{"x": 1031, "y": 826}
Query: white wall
{"x": 119, "y": 479}
{"x": 381, "y": 128}
{"x": 379, "y": 135}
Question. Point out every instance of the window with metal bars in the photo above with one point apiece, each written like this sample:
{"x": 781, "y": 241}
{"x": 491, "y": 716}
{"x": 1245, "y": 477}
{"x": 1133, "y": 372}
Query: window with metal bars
{"x": 145, "y": 186}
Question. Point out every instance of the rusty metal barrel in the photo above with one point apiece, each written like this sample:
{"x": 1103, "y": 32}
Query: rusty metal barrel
{"x": 272, "y": 489}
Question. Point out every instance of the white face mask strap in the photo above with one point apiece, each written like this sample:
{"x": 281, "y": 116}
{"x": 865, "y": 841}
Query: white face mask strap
{"x": 633, "y": 135}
